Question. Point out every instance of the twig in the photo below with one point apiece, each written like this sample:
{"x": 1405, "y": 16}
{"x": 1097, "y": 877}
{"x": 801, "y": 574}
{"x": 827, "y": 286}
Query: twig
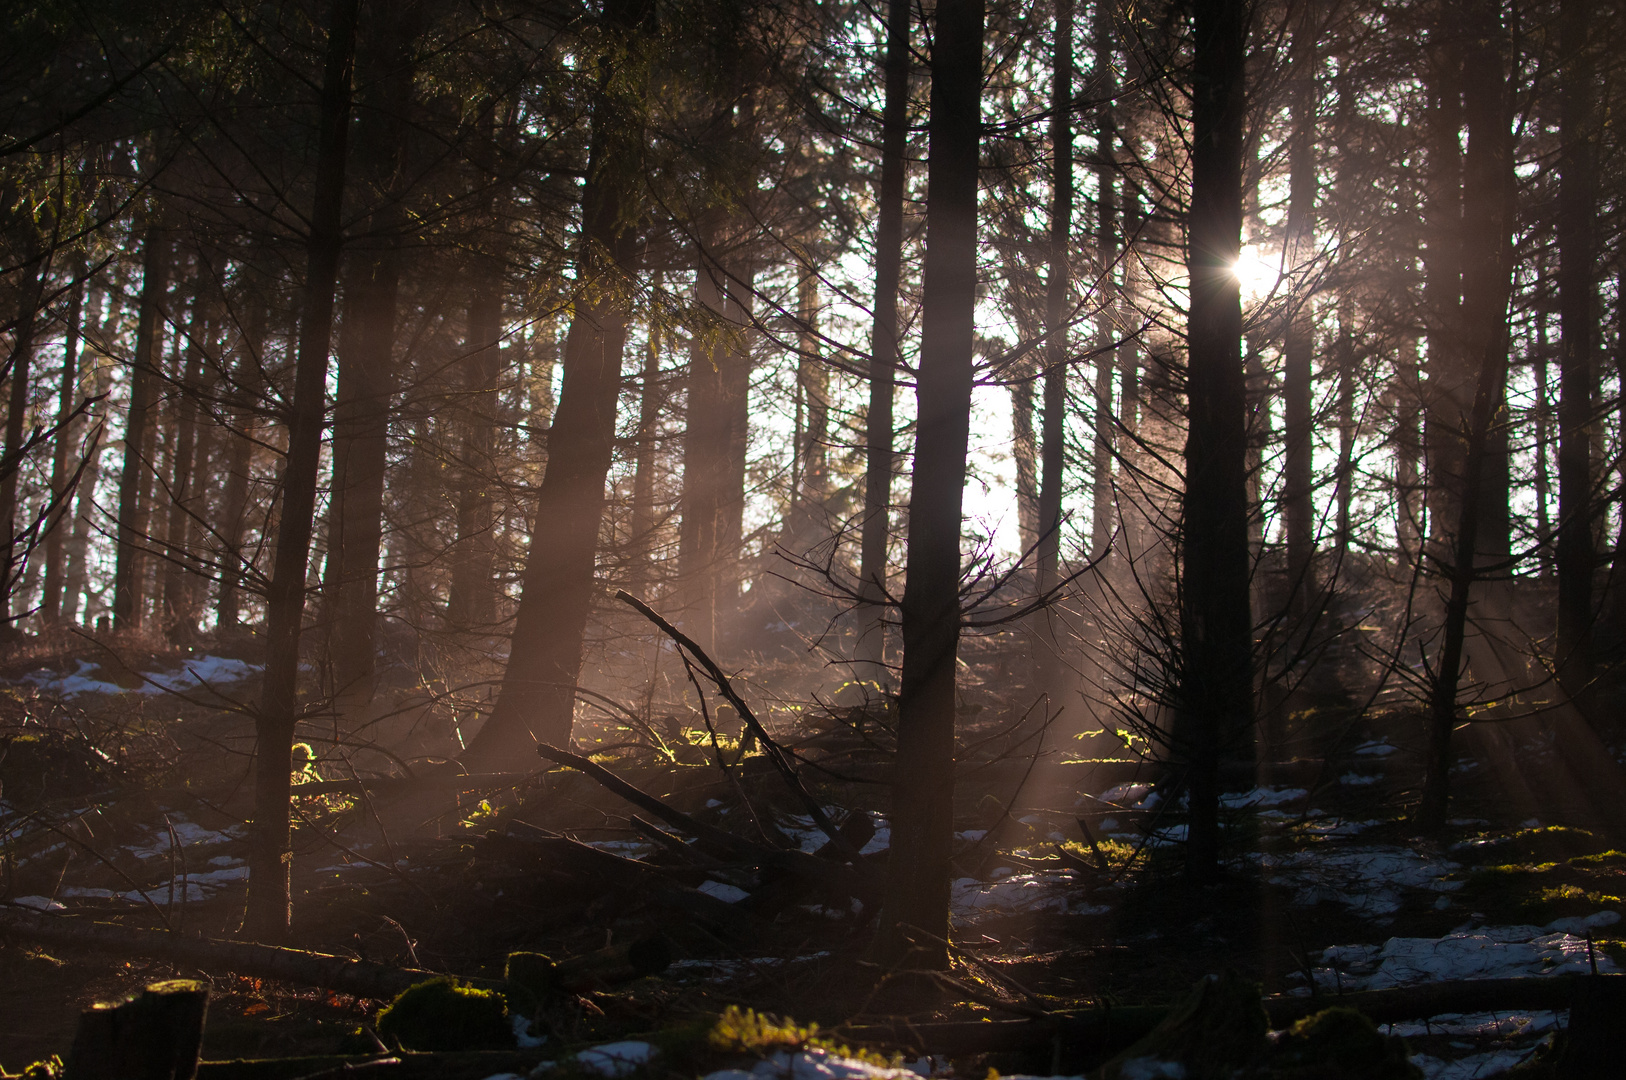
{"x": 775, "y": 754}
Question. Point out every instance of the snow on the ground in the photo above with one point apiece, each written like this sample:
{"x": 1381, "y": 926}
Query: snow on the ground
{"x": 1367, "y": 880}
{"x": 1470, "y": 1067}
{"x": 1376, "y": 748}
{"x": 1501, "y": 1025}
{"x": 1469, "y": 952}
{"x": 812, "y": 1065}
{"x": 1262, "y": 796}
{"x": 617, "y": 1058}
{"x": 722, "y": 890}
{"x": 196, "y": 672}
{"x": 1013, "y": 894}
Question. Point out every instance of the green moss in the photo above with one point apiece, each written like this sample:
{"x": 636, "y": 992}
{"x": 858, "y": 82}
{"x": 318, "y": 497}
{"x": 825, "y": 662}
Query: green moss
{"x": 746, "y": 1031}
{"x": 442, "y": 1014}
{"x": 49, "y": 1069}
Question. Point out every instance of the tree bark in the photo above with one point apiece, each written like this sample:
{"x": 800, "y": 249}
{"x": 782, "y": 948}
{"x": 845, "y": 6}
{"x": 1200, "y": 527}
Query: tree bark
{"x": 650, "y": 400}
{"x": 61, "y": 523}
{"x": 1053, "y": 436}
{"x": 472, "y": 599}
{"x": 879, "y": 457}
{"x": 1298, "y": 374}
{"x": 179, "y": 611}
{"x": 270, "y": 857}
{"x": 1216, "y": 680}
{"x": 1488, "y": 258}
{"x": 1577, "y": 293}
{"x": 130, "y": 563}
{"x": 917, "y": 882}
{"x": 240, "y": 466}
{"x": 535, "y": 701}
{"x": 1103, "y": 494}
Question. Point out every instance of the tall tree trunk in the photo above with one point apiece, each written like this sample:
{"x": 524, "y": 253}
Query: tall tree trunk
{"x": 270, "y": 857}
{"x": 185, "y": 506}
{"x": 58, "y": 527}
{"x": 1408, "y": 452}
{"x": 240, "y": 465}
{"x": 813, "y": 386}
{"x": 1053, "y": 447}
{"x": 1025, "y": 457}
{"x": 1298, "y": 381}
{"x": 736, "y": 380}
{"x": 472, "y": 599}
{"x": 1445, "y": 390}
{"x": 1103, "y": 494}
{"x": 917, "y": 871}
{"x": 361, "y": 418}
{"x": 650, "y": 401}
{"x": 1216, "y": 677}
{"x": 879, "y": 457}
{"x": 1577, "y": 298}
{"x": 1344, "y": 364}
{"x": 537, "y": 699}
{"x": 705, "y": 452}
{"x": 130, "y": 564}
{"x": 1488, "y": 198}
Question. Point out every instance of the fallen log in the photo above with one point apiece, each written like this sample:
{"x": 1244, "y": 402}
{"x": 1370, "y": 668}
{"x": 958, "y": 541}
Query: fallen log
{"x": 358, "y": 977}
{"x": 625, "y": 876}
{"x": 836, "y": 877}
{"x": 381, "y": 785}
{"x": 1112, "y": 1028}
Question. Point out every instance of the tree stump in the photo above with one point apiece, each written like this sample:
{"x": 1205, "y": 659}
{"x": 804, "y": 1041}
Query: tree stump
{"x": 154, "y": 1036}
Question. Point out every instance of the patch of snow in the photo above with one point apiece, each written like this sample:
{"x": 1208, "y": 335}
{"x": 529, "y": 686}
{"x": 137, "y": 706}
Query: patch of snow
{"x": 1376, "y": 748}
{"x": 1337, "y": 827}
{"x": 39, "y": 903}
{"x": 879, "y": 842}
{"x": 1366, "y": 880}
{"x": 972, "y": 835}
{"x": 1262, "y": 796}
{"x": 1150, "y": 1068}
{"x": 1485, "y": 1024}
{"x": 1581, "y": 925}
{"x": 1123, "y": 794}
{"x": 1487, "y": 952}
{"x": 522, "y": 1033}
{"x": 970, "y": 899}
{"x": 213, "y": 670}
{"x": 812, "y": 1065}
{"x": 617, "y": 1058}
{"x": 1355, "y": 779}
{"x": 729, "y": 894}
{"x": 1490, "y": 1063}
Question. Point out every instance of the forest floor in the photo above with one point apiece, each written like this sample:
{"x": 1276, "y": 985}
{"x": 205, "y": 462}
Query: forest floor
{"x": 125, "y": 790}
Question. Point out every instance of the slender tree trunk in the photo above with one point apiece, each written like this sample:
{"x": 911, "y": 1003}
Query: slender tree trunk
{"x": 1487, "y": 285}
{"x": 1544, "y": 438}
{"x": 1216, "y": 680}
{"x": 705, "y": 451}
{"x": 180, "y": 616}
{"x": 1577, "y": 297}
{"x": 129, "y": 569}
{"x": 240, "y": 467}
{"x": 1053, "y": 447}
{"x": 472, "y": 600}
{"x": 1344, "y": 363}
{"x": 1298, "y": 393}
{"x": 60, "y": 524}
{"x": 1106, "y": 245}
{"x": 1024, "y": 456}
{"x": 536, "y": 700}
{"x": 270, "y": 857}
{"x": 736, "y": 379}
{"x": 813, "y": 384}
{"x": 1408, "y": 452}
{"x": 360, "y": 452}
{"x": 917, "y": 871}
{"x": 1445, "y": 391}
{"x": 879, "y": 458}
{"x": 650, "y": 395}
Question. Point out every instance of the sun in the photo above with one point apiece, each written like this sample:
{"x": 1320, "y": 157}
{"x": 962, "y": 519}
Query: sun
{"x": 1257, "y": 272}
